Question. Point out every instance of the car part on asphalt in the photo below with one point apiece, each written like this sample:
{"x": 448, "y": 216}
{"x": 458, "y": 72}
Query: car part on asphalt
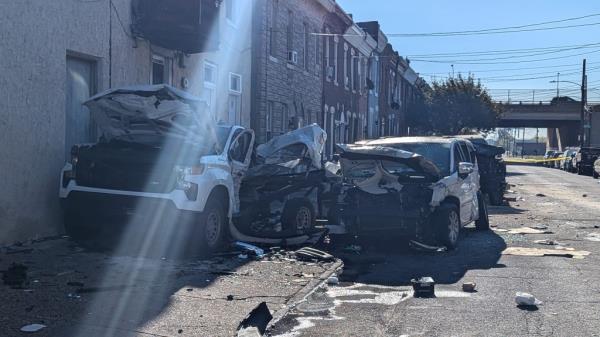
{"x": 32, "y": 327}
{"x": 333, "y": 279}
{"x": 310, "y": 254}
{"x": 526, "y": 299}
{"x": 423, "y": 287}
{"x": 469, "y": 287}
{"x": 426, "y": 248}
{"x": 256, "y": 251}
{"x": 528, "y": 230}
{"x": 559, "y": 251}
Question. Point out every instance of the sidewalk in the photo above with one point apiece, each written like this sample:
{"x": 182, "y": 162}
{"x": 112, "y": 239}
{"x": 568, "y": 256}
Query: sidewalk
{"x": 74, "y": 292}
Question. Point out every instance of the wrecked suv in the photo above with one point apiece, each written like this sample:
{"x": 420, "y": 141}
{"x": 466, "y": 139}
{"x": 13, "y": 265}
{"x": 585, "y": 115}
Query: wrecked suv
{"x": 425, "y": 188}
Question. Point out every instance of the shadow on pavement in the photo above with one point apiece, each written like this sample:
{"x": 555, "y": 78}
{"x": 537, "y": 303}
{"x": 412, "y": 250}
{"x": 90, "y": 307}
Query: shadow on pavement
{"x": 389, "y": 261}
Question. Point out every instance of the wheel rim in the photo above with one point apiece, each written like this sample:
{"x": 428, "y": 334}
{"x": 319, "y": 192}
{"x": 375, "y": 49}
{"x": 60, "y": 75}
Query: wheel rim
{"x": 213, "y": 227}
{"x": 453, "y": 227}
{"x": 303, "y": 218}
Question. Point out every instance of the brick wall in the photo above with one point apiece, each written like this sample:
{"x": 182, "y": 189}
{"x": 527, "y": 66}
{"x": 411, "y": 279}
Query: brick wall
{"x": 285, "y": 95}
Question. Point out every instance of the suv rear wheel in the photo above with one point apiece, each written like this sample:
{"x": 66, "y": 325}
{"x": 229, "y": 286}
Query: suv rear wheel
{"x": 447, "y": 225}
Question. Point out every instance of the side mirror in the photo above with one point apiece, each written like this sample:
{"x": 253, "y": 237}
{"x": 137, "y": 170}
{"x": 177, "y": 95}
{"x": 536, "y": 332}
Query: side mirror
{"x": 464, "y": 169}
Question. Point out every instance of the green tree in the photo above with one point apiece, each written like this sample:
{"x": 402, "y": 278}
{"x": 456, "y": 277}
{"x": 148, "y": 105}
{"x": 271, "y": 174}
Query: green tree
{"x": 455, "y": 106}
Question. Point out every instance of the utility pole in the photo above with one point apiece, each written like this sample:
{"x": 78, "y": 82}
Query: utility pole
{"x": 523, "y": 143}
{"x": 583, "y": 139}
{"x": 557, "y": 84}
{"x": 452, "y": 65}
{"x": 533, "y": 99}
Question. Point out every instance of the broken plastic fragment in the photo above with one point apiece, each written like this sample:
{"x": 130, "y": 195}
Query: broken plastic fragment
{"x": 526, "y": 299}
{"x": 423, "y": 287}
{"x": 333, "y": 279}
{"x": 32, "y": 327}
{"x": 259, "y": 252}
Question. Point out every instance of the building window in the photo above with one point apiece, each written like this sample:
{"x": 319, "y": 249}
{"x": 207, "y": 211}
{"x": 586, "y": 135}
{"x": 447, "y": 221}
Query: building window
{"x": 352, "y": 72}
{"x": 335, "y": 59}
{"x": 160, "y": 70}
{"x": 329, "y": 72}
{"x": 317, "y": 49}
{"x": 305, "y": 44}
{"x": 235, "y": 83}
{"x": 346, "y": 72}
{"x": 269, "y": 119}
{"x": 210, "y": 84}
{"x": 230, "y": 10}
{"x": 273, "y": 28}
{"x": 290, "y": 32}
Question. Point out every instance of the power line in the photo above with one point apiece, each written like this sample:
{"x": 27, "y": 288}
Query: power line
{"x": 502, "y": 30}
{"x": 504, "y": 62}
{"x": 504, "y": 51}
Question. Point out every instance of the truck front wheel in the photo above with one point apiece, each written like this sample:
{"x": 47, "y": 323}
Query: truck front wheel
{"x": 447, "y": 225}
{"x": 212, "y": 226}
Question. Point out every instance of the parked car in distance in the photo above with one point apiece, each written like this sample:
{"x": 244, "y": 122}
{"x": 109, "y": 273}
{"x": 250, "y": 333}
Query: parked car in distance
{"x": 422, "y": 187}
{"x": 585, "y": 158}
{"x": 567, "y": 162}
{"x": 548, "y": 155}
{"x": 596, "y": 172}
{"x": 557, "y": 160}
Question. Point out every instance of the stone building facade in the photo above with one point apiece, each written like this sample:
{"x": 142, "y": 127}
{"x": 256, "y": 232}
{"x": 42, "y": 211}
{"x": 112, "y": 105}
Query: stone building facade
{"x": 287, "y": 65}
{"x": 347, "y": 49}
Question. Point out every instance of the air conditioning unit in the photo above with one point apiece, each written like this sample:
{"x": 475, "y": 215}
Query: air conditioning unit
{"x": 331, "y": 72}
{"x": 293, "y": 57}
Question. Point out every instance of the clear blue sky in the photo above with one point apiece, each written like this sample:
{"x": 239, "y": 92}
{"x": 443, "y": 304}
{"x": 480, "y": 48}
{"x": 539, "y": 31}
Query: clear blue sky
{"x": 424, "y": 16}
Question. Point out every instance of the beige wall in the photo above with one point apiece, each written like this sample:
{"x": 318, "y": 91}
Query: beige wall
{"x": 35, "y": 38}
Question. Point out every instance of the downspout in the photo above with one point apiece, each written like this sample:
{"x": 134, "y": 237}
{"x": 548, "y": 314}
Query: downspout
{"x": 110, "y": 43}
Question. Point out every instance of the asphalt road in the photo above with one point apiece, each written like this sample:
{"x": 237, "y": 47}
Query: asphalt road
{"x": 375, "y": 296}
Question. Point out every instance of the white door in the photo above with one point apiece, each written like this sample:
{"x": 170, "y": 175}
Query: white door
{"x": 80, "y": 86}
{"x": 466, "y": 185}
{"x": 239, "y": 154}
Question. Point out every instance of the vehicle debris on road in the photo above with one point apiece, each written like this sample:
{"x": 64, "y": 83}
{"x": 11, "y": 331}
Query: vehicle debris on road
{"x": 255, "y": 324}
{"x": 547, "y": 242}
{"x": 469, "y": 287}
{"x": 419, "y": 246}
{"x": 528, "y": 230}
{"x": 32, "y": 327}
{"x": 258, "y": 252}
{"x": 423, "y": 287}
{"x": 526, "y": 299}
{"x": 562, "y": 251}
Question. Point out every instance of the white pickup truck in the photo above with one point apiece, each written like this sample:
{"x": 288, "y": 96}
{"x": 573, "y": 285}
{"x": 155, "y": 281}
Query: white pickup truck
{"x": 163, "y": 166}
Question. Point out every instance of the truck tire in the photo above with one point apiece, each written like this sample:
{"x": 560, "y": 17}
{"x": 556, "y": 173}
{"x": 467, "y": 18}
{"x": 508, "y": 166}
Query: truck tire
{"x": 483, "y": 222}
{"x": 447, "y": 225}
{"x": 298, "y": 216}
{"x": 213, "y": 226}
{"x": 595, "y": 174}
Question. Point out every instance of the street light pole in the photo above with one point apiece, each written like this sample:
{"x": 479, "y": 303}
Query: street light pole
{"x": 557, "y": 83}
{"x": 583, "y": 139}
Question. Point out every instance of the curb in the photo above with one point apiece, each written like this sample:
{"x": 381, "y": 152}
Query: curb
{"x": 301, "y": 294}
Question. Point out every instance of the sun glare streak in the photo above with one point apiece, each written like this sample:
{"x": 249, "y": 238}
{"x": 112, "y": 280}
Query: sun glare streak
{"x": 153, "y": 231}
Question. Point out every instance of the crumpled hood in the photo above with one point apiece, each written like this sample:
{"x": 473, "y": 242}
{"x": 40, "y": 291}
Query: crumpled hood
{"x": 146, "y": 109}
{"x": 378, "y": 152}
{"x": 311, "y": 135}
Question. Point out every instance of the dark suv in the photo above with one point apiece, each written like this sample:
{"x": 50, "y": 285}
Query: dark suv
{"x": 585, "y": 160}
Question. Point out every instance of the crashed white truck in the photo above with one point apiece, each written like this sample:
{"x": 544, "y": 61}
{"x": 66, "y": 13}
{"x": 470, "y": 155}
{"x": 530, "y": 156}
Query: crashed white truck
{"x": 163, "y": 163}
{"x": 428, "y": 196}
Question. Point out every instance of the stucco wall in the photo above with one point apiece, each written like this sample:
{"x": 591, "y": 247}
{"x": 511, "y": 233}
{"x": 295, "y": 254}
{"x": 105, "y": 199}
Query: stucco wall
{"x": 35, "y": 38}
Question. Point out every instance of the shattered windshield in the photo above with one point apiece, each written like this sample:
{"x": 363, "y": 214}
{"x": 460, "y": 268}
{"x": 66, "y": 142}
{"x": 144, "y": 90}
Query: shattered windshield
{"x": 438, "y": 153}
